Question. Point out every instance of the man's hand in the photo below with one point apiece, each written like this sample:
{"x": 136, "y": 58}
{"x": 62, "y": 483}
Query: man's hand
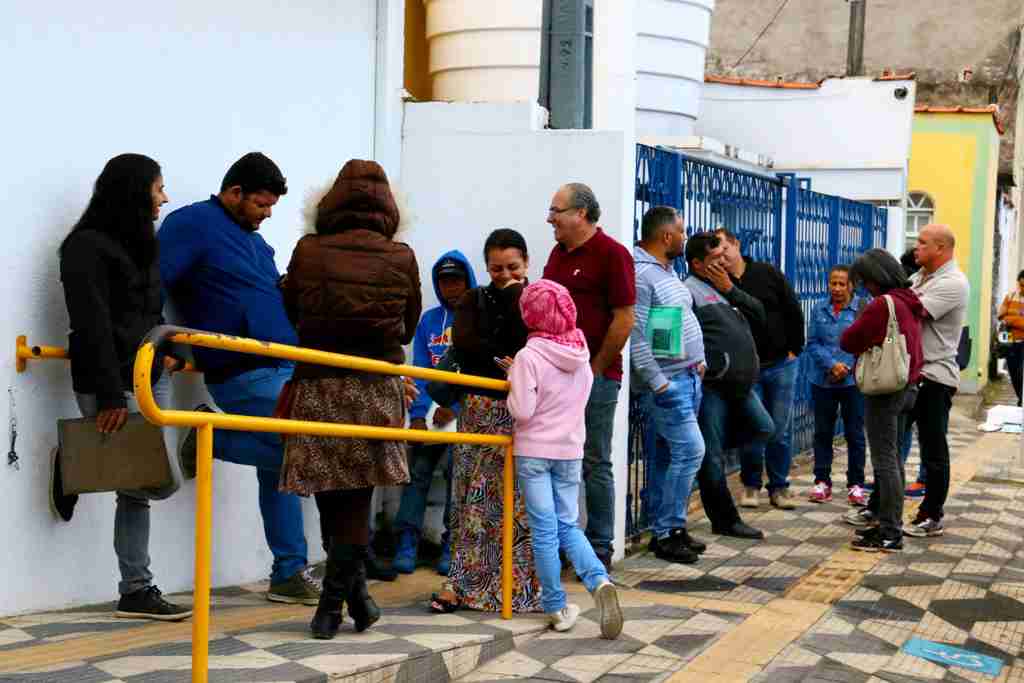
{"x": 111, "y": 420}
{"x": 411, "y": 392}
{"x": 443, "y": 416}
{"x": 838, "y": 372}
{"x": 418, "y": 423}
{"x": 173, "y": 365}
{"x": 701, "y": 369}
{"x": 719, "y": 278}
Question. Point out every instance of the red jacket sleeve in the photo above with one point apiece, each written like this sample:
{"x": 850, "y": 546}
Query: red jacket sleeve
{"x": 868, "y": 330}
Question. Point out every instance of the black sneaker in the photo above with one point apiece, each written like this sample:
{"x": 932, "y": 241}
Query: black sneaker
{"x": 867, "y": 532}
{"x": 873, "y": 543}
{"x": 691, "y": 542}
{"x": 675, "y": 549}
{"x": 189, "y": 446}
{"x": 149, "y": 603}
{"x": 62, "y": 506}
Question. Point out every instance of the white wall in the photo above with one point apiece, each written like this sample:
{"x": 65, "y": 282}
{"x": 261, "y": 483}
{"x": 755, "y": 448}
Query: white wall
{"x": 461, "y": 181}
{"x": 194, "y": 85}
{"x": 671, "y": 43}
{"x": 844, "y": 125}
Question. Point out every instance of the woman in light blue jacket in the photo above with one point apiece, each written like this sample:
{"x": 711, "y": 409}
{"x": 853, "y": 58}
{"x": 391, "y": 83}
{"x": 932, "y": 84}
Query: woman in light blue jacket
{"x": 834, "y": 390}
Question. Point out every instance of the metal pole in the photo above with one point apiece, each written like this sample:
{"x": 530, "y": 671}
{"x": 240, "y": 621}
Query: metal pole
{"x": 509, "y": 503}
{"x": 855, "y": 42}
{"x": 204, "y": 528}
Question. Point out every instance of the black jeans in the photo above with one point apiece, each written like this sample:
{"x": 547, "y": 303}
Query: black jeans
{"x": 1015, "y": 366}
{"x": 931, "y": 414}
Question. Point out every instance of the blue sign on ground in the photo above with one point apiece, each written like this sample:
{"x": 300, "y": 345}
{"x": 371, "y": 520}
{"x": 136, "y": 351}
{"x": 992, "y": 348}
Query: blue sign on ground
{"x": 941, "y": 653}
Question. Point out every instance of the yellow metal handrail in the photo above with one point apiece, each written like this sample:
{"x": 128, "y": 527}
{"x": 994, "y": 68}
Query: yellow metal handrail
{"x": 24, "y": 353}
{"x": 206, "y": 422}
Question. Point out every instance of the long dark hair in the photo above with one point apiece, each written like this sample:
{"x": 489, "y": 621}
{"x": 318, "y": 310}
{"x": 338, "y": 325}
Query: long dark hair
{"x": 122, "y": 206}
{"x": 881, "y": 268}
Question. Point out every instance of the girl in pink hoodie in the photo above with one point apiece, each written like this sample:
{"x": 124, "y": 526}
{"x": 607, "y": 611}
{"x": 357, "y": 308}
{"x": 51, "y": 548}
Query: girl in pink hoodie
{"x": 551, "y": 380}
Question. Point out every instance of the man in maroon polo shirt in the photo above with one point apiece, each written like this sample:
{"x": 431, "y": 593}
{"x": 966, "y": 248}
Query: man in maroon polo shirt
{"x": 598, "y": 272}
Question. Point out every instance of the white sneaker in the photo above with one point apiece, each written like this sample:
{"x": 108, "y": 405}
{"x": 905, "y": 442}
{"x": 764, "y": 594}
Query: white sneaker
{"x": 607, "y": 600}
{"x": 565, "y": 618}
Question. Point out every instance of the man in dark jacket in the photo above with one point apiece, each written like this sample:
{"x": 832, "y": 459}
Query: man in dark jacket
{"x": 221, "y": 276}
{"x": 725, "y": 313}
{"x": 780, "y": 340}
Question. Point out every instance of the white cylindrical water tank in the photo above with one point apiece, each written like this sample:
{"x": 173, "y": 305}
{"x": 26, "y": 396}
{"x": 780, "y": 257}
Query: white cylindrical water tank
{"x": 484, "y": 51}
{"x": 671, "y": 45}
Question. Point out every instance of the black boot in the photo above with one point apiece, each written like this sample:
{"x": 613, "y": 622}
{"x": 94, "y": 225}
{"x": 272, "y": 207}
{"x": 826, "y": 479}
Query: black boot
{"x": 361, "y": 607}
{"x": 327, "y": 618}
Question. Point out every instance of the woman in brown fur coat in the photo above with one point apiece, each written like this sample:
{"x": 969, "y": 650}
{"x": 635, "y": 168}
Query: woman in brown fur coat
{"x": 350, "y": 289}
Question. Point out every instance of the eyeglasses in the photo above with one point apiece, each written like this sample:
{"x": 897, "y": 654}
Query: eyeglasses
{"x": 555, "y": 209}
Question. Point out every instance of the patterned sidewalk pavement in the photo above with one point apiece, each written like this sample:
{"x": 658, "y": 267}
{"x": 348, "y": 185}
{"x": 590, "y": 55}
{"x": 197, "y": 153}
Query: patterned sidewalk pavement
{"x": 797, "y": 606}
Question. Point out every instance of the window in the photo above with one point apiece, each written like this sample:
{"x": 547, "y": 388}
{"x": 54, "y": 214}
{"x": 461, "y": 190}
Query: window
{"x": 920, "y": 212}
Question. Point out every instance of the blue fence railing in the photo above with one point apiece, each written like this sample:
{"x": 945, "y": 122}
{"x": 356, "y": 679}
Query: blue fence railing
{"x": 779, "y": 220}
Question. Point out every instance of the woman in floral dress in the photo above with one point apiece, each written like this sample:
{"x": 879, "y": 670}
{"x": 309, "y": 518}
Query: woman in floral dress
{"x": 487, "y": 327}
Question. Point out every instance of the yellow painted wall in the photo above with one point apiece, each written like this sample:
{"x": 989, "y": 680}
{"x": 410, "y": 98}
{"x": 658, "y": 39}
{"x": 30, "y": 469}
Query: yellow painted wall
{"x": 954, "y": 158}
{"x": 942, "y": 164}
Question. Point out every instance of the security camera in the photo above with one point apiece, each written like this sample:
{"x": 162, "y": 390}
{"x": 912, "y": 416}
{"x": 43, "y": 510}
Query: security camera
{"x": 900, "y": 93}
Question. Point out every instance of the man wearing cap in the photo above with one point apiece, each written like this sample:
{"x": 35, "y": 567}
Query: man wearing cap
{"x": 452, "y": 276}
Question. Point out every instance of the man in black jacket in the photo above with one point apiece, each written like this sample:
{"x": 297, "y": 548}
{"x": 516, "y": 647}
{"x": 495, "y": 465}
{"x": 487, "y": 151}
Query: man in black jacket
{"x": 725, "y": 312}
{"x": 779, "y": 339}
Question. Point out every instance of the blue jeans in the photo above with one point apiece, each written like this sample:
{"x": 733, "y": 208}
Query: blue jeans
{"x": 551, "y": 492}
{"x": 850, "y": 403}
{"x": 906, "y": 441}
{"x": 776, "y": 389}
{"x": 678, "y": 454}
{"x": 717, "y": 412}
{"x": 423, "y": 460}
{"x": 597, "y": 464}
{"x": 255, "y": 393}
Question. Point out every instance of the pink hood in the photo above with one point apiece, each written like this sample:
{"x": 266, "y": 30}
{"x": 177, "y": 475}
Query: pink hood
{"x": 549, "y": 312}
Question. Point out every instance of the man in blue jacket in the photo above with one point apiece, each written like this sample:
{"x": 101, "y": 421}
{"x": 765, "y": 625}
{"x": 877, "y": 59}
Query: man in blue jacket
{"x": 221, "y": 276}
{"x": 452, "y": 276}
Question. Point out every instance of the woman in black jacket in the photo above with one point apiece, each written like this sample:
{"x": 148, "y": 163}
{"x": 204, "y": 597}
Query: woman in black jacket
{"x": 111, "y": 278}
{"x": 488, "y": 331}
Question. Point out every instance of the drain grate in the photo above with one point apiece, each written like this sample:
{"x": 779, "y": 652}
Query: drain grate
{"x": 826, "y": 584}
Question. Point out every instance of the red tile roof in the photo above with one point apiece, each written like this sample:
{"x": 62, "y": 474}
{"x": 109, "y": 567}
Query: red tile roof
{"x": 890, "y": 76}
{"x": 990, "y": 109}
{"x": 778, "y": 83}
{"x": 797, "y": 85}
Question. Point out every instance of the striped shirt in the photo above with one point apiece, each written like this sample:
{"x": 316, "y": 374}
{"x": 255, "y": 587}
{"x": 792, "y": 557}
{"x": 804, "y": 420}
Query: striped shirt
{"x": 658, "y": 285}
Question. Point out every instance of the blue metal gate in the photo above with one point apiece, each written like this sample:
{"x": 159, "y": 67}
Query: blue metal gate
{"x": 779, "y": 220}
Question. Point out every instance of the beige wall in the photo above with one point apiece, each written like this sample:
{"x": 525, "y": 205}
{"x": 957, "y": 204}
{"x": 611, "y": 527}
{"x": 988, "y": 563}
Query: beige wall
{"x": 934, "y": 38}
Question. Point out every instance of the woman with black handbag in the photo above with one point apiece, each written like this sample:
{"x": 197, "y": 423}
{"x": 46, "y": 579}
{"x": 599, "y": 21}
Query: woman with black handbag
{"x": 886, "y": 338}
{"x": 488, "y": 330}
{"x": 111, "y": 279}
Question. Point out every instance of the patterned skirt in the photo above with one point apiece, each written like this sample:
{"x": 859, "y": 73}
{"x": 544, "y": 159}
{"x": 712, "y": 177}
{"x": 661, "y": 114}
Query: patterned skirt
{"x": 476, "y": 517}
{"x": 320, "y": 463}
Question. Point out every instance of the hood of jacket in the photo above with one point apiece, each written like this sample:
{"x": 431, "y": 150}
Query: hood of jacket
{"x": 565, "y": 358}
{"x": 907, "y": 296}
{"x": 454, "y": 255}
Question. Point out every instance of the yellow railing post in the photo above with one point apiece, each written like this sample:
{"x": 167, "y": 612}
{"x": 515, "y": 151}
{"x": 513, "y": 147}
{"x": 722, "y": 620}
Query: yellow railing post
{"x": 204, "y": 544}
{"x": 507, "y": 511}
{"x": 205, "y": 423}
